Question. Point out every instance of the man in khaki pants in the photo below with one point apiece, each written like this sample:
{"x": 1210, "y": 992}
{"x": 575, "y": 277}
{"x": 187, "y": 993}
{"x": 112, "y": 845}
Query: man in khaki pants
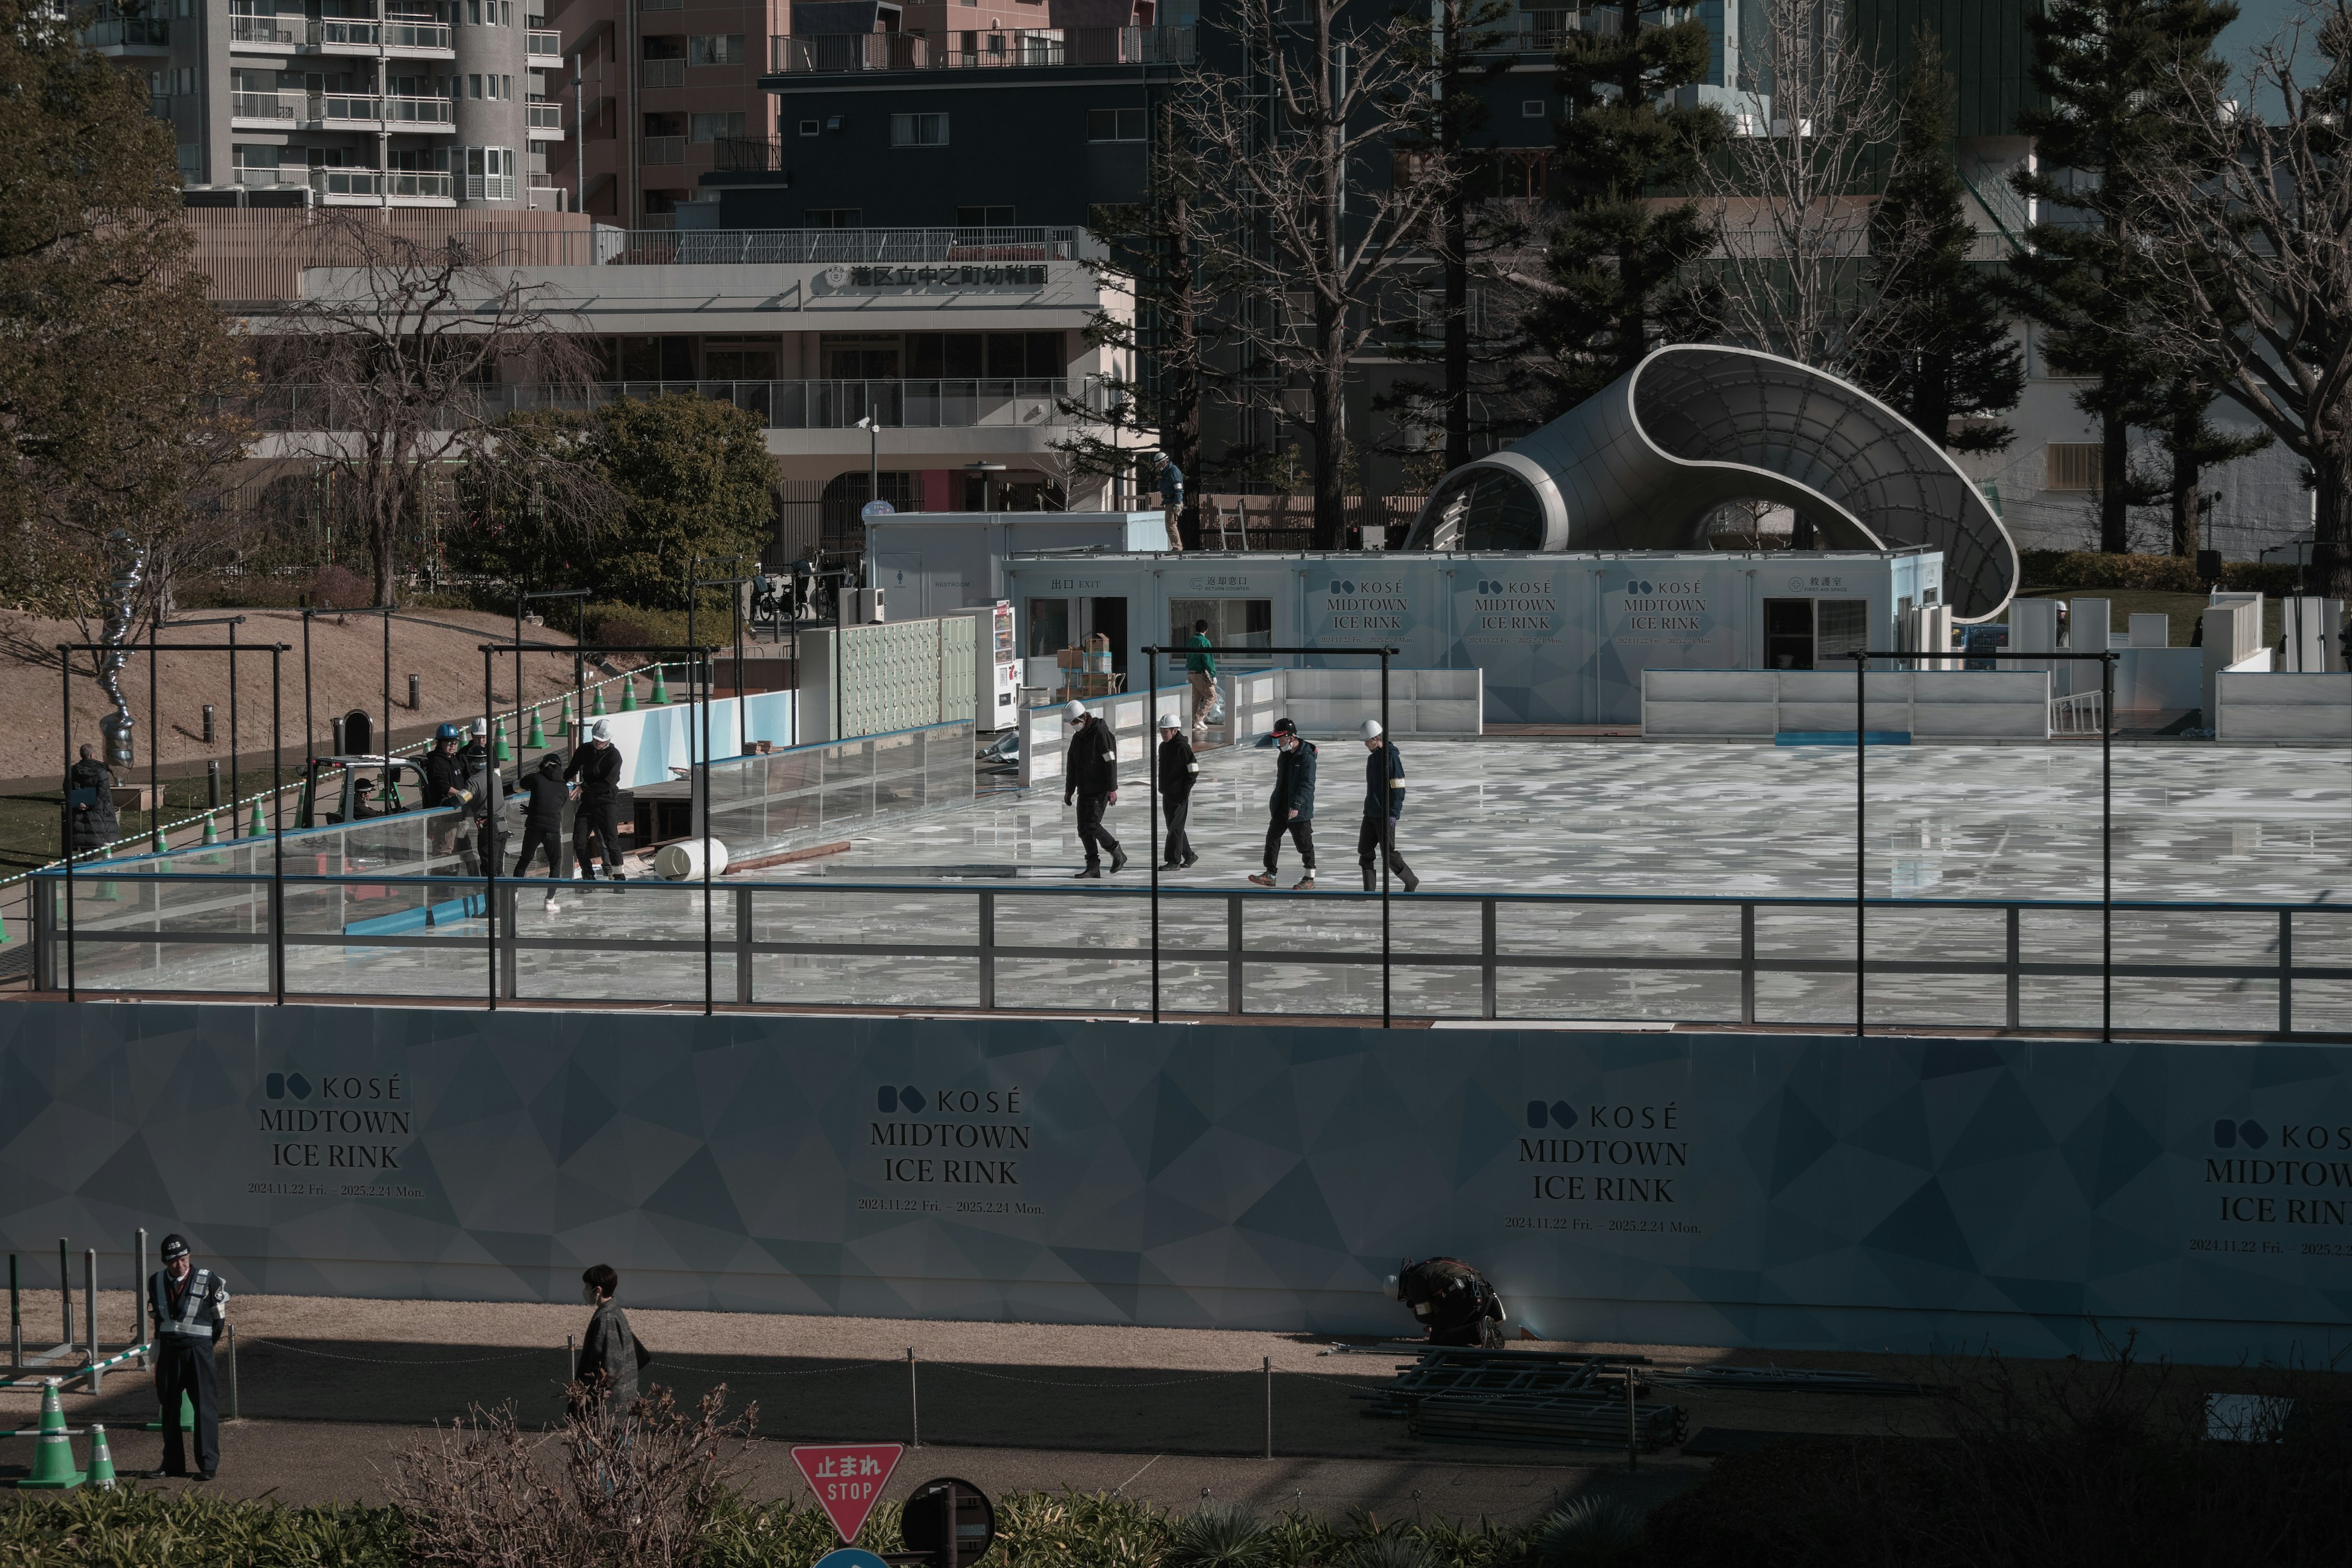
{"x": 1200, "y": 669}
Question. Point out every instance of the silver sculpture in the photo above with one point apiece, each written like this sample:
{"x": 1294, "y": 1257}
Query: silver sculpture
{"x": 119, "y": 728}
{"x": 1643, "y": 463}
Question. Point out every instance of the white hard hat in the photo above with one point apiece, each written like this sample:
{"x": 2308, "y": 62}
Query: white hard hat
{"x": 1371, "y": 730}
{"x": 1168, "y": 721}
{"x": 1073, "y": 710}
{"x": 1390, "y": 1288}
{"x": 481, "y": 726}
{"x": 602, "y": 731}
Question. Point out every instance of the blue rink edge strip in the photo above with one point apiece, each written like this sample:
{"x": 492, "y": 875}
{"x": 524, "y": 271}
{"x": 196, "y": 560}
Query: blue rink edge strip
{"x": 1841, "y": 738}
{"x": 420, "y": 918}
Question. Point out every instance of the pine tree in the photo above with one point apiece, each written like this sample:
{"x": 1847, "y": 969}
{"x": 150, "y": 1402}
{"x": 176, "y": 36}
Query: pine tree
{"x": 2111, "y": 72}
{"x": 1616, "y": 268}
{"x": 1946, "y": 354}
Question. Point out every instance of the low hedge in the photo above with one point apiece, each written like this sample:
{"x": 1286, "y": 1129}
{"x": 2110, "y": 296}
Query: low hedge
{"x": 2149, "y": 573}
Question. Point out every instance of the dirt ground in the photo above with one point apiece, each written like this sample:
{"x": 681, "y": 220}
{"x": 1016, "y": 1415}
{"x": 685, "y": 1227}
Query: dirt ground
{"x": 346, "y": 672}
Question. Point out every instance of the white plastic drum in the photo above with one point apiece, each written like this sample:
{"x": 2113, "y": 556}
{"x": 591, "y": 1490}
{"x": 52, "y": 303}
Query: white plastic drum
{"x": 682, "y": 861}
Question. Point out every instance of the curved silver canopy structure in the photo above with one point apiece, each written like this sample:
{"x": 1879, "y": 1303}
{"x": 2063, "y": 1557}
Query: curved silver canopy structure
{"x": 1643, "y": 463}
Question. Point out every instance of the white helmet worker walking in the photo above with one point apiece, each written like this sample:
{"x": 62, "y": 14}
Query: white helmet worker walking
{"x": 1371, "y": 730}
{"x": 1179, "y": 770}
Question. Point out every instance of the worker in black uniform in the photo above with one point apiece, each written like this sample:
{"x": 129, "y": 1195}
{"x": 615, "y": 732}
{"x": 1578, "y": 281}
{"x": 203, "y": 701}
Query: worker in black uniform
{"x": 542, "y": 819}
{"x": 483, "y": 802}
{"x": 90, "y": 787}
{"x": 596, "y": 767}
{"x": 188, "y": 1309}
{"x": 445, "y": 779}
{"x": 1291, "y": 807}
{"x": 1453, "y": 1302}
{"x": 1179, "y": 769}
{"x": 1090, "y": 774}
{"x": 1383, "y": 806}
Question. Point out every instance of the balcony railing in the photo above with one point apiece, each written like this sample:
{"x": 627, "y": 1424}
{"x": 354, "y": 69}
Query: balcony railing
{"x": 336, "y": 32}
{"x": 376, "y": 109}
{"x": 747, "y": 155}
{"x": 1026, "y": 404}
{"x": 285, "y": 106}
{"x": 897, "y": 247}
{"x": 389, "y": 184}
{"x": 663, "y": 73}
{"x": 130, "y": 32}
{"x": 977, "y": 49}
{"x": 665, "y": 148}
{"x": 260, "y": 30}
{"x": 544, "y": 44}
{"x": 546, "y": 116}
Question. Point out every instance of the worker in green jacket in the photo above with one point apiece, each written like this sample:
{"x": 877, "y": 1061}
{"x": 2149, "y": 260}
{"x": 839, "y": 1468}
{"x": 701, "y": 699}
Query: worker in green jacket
{"x": 1200, "y": 669}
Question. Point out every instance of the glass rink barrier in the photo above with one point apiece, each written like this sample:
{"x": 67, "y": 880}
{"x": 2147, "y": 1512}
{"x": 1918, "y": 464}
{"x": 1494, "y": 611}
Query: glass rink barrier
{"x": 156, "y": 929}
{"x": 774, "y": 803}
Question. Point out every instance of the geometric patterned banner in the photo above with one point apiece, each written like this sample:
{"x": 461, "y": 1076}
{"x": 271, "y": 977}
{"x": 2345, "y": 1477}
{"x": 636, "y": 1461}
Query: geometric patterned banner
{"x": 1740, "y": 1189}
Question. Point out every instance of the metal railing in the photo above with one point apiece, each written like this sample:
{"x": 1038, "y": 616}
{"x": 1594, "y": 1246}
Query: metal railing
{"x": 945, "y": 404}
{"x": 285, "y": 106}
{"x": 980, "y": 48}
{"x": 388, "y": 182}
{"x": 130, "y": 32}
{"x": 752, "y": 155}
{"x": 260, "y": 30}
{"x": 665, "y": 148}
{"x": 381, "y": 109}
{"x": 544, "y": 43}
{"x": 662, "y": 73}
{"x": 2182, "y": 968}
{"x": 897, "y": 247}
{"x": 337, "y": 33}
{"x": 546, "y": 116}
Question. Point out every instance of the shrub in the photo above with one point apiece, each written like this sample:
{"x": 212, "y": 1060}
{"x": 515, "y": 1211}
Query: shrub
{"x": 340, "y": 588}
{"x": 2092, "y": 569}
{"x": 158, "y": 1529}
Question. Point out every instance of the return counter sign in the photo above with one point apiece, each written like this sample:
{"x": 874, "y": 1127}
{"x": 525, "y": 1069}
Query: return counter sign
{"x": 847, "y": 1479}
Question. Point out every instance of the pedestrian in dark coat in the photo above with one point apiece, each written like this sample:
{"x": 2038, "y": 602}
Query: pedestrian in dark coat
{"x": 1383, "y": 806}
{"x": 1291, "y": 808}
{"x": 610, "y": 1353}
{"x": 1179, "y": 769}
{"x": 1091, "y": 776}
{"x": 597, "y": 767}
{"x": 543, "y": 818}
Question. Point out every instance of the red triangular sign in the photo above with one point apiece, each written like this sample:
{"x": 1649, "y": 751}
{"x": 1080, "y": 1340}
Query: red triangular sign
{"x": 847, "y": 1479}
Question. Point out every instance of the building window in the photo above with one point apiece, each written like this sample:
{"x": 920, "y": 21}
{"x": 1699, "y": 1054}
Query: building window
{"x": 490, "y": 173}
{"x": 2073, "y": 466}
{"x": 983, "y": 217}
{"x": 808, "y": 127}
{"x": 1531, "y": 109}
{"x": 715, "y": 49}
{"x": 473, "y": 87}
{"x": 836, "y": 218}
{"x": 919, "y": 131}
{"x": 1115, "y": 124}
{"x": 711, "y": 127}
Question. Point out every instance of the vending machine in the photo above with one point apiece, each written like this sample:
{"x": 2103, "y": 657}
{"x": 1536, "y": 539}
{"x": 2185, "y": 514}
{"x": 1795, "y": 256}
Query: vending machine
{"x": 996, "y": 665}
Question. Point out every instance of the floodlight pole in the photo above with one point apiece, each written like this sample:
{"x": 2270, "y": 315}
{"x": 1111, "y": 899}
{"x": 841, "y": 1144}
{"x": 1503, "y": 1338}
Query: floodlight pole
{"x": 1861, "y": 843}
{"x": 1151, "y": 820}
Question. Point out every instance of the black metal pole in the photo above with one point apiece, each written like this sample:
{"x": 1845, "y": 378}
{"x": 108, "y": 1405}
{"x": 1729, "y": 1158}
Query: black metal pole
{"x": 65, "y": 803}
{"x": 154, "y": 741}
{"x": 709, "y": 796}
{"x": 2106, "y": 848}
{"x": 743, "y": 707}
{"x": 383, "y": 742}
{"x": 1861, "y": 847}
{"x": 276, "y": 817}
{"x": 235, "y": 769}
{"x": 1382, "y": 827}
{"x": 309, "y": 718}
{"x": 1151, "y": 820}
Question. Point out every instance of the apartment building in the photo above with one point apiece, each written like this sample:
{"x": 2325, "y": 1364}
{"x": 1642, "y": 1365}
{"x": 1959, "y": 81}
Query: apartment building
{"x": 425, "y": 103}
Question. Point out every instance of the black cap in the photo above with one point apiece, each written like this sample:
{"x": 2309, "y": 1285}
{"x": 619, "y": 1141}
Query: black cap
{"x": 174, "y": 1247}
{"x": 1284, "y": 727}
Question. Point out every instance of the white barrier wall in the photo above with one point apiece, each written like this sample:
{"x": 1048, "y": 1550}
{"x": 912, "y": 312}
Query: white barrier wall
{"x": 2256, "y": 705}
{"x": 653, "y": 741}
{"x": 1928, "y": 705}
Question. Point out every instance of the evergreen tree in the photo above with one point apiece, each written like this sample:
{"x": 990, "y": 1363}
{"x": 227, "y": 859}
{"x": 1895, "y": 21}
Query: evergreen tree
{"x": 1616, "y": 266}
{"x": 1947, "y": 354}
{"x": 2112, "y": 72}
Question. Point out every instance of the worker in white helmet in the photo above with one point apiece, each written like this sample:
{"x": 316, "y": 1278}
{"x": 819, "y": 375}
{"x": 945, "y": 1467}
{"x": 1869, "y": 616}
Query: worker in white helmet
{"x": 1091, "y": 776}
{"x": 1179, "y": 769}
{"x": 1383, "y": 804}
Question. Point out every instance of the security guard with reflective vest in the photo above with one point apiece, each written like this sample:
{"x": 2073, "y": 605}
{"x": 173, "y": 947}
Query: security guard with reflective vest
{"x": 189, "y": 1309}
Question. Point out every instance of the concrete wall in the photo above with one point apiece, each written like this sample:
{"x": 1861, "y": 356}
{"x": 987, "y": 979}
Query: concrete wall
{"x": 1753, "y": 1189}
{"x": 1928, "y": 705}
{"x": 2256, "y": 705}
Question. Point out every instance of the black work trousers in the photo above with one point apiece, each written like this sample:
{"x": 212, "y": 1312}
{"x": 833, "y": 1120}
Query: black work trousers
{"x": 1302, "y": 832}
{"x": 186, "y": 1366}
{"x": 539, "y": 839}
{"x": 1091, "y": 831}
{"x": 1174, "y": 809}
{"x": 1378, "y": 834}
{"x": 597, "y": 823}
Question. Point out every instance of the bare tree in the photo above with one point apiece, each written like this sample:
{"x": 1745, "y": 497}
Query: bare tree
{"x": 2251, "y": 233}
{"x": 1792, "y": 193}
{"x": 1309, "y": 210}
{"x": 394, "y": 359}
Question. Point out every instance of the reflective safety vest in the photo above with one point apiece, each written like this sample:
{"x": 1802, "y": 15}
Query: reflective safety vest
{"x": 197, "y": 1317}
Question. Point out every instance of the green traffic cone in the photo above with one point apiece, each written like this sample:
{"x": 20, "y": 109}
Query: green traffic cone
{"x": 563, "y": 720}
{"x": 628, "y": 694}
{"x": 156, "y": 844}
{"x": 53, "y": 1451}
{"x": 212, "y": 829}
{"x": 498, "y": 747}
{"x": 598, "y": 712}
{"x": 259, "y": 829}
{"x": 537, "y": 739}
{"x": 188, "y": 1416}
{"x": 101, "y": 1460}
{"x": 108, "y": 893}
{"x": 661, "y": 687}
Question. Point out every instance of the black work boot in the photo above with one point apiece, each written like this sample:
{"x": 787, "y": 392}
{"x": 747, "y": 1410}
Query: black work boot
{"x": 1371, "y": 881}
